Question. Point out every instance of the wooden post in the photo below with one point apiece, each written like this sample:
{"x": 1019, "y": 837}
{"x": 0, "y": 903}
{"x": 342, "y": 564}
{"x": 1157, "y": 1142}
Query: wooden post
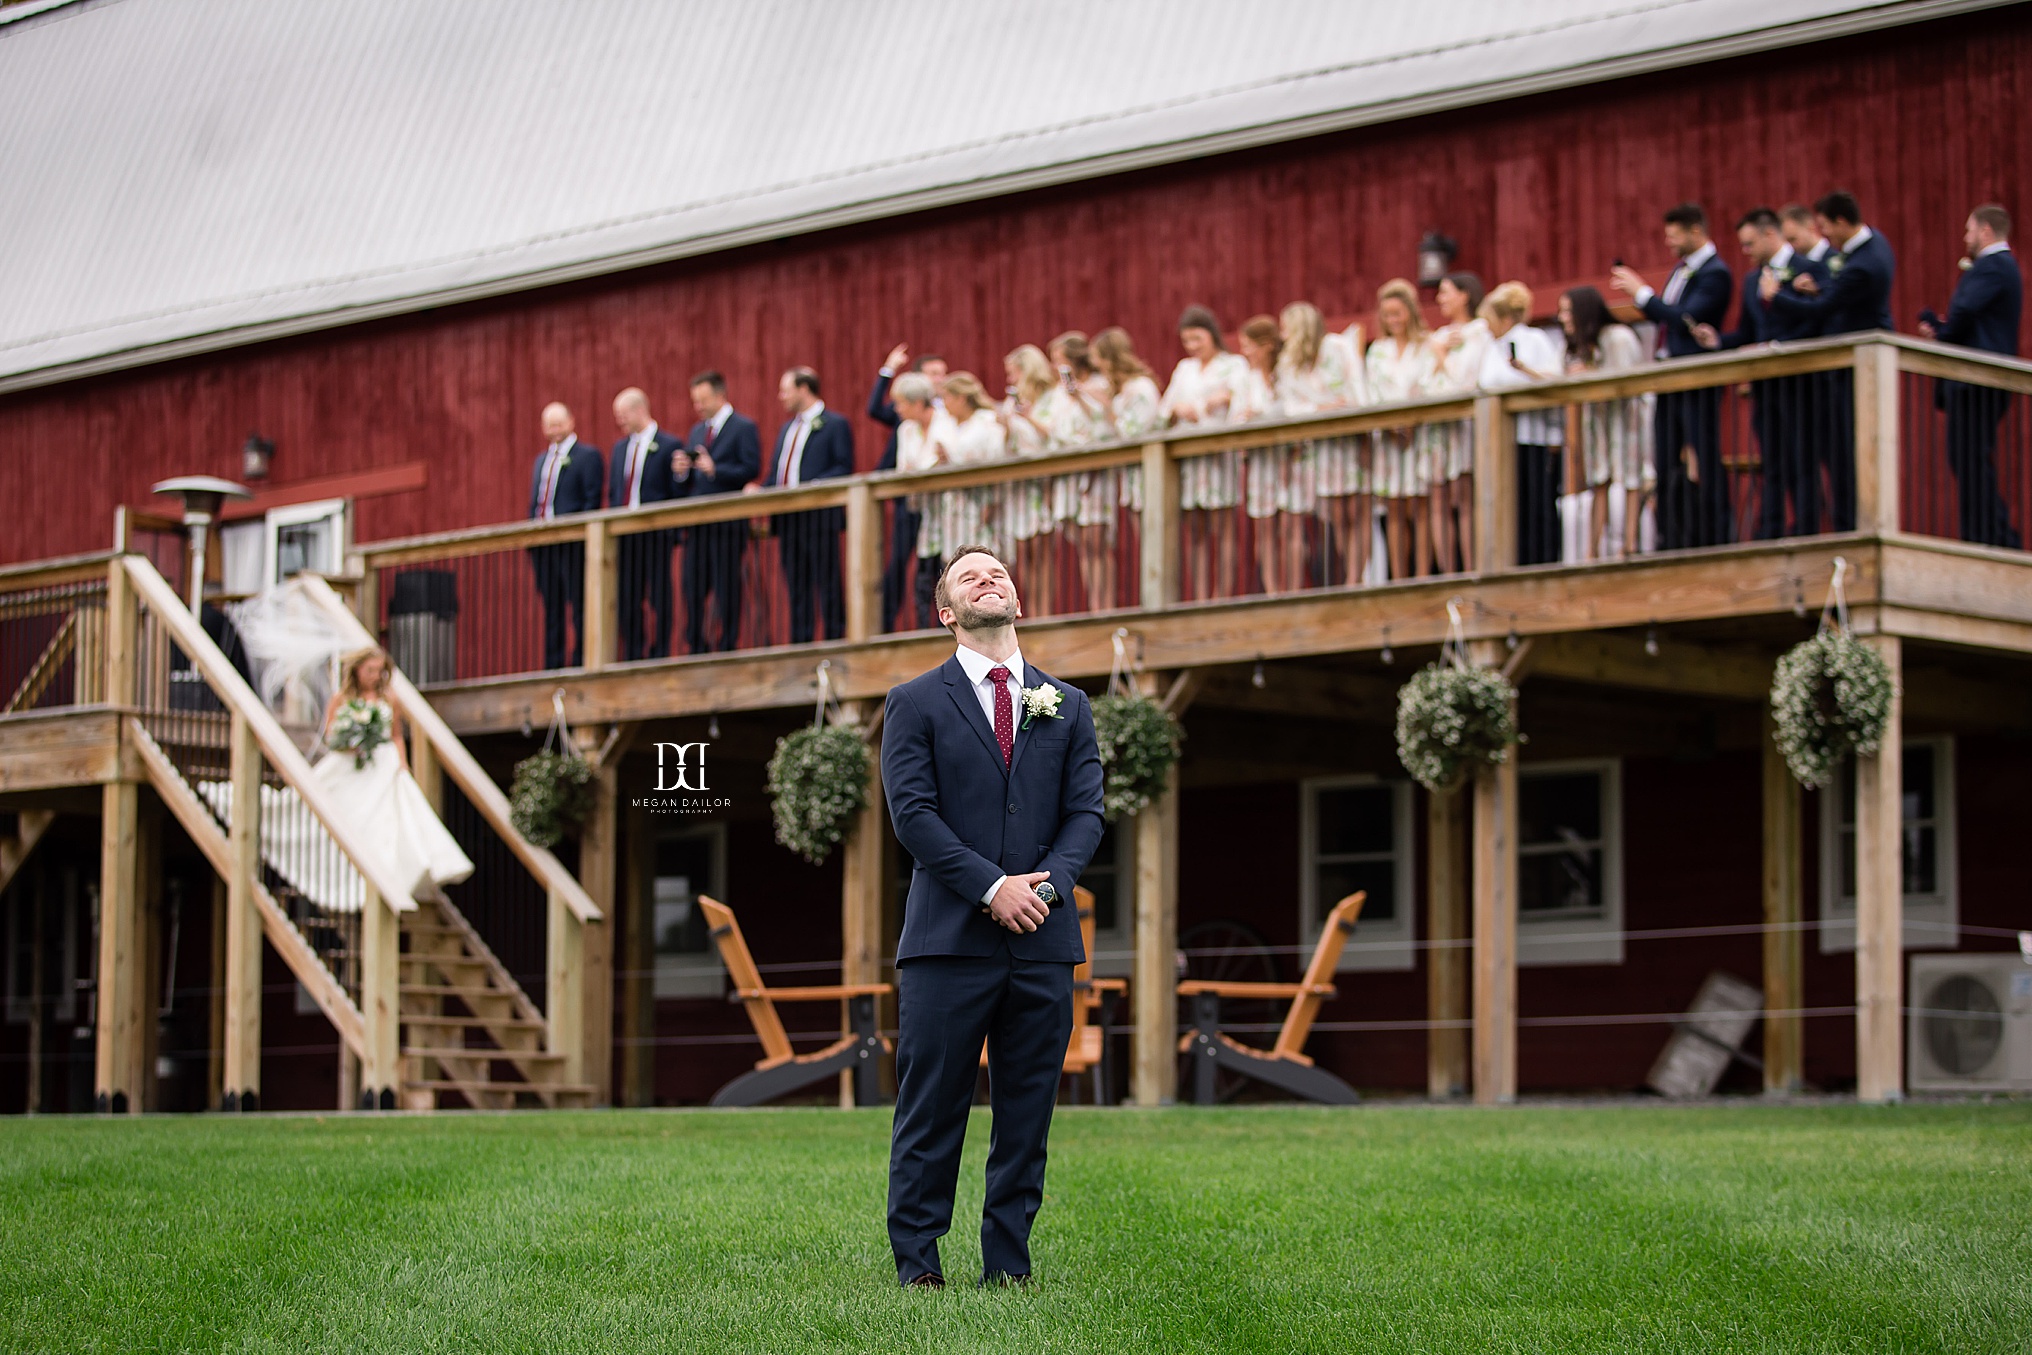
{"x": 121, "y": 625}
{"x": 1495, "y": 922}
{"x": 1153, "y": 1079}
{"x": 367, "y": 596}
{"x": 1446, "y": 972}
{"x": 149, "y": 887}
{"x": 638, "y": 979}
{"x": 861, "y": 887}
{"x": 1784, "y": 971}
{"x": 380, "y": 1003}
{"x": 215, "y": 1024}
{"x": 1876, "y": 394}
{"x": 426, "y": 770}
{"x": 598, "y": 614}
{"x": 117, "y": 1070}
{"x": 1880, "y": 902}
{"x": 564, "y": 988}
{"x": 1159, "y": 529}
{"x": 863, "y": 564}
{"x": 1495, "y": 501}
{"x": 599, "y": 862}
{"x": 241, "y": 1071}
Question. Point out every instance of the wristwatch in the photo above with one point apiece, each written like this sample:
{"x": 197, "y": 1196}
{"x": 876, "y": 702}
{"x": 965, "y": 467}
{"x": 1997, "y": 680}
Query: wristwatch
{"x": 1048, "y": 895}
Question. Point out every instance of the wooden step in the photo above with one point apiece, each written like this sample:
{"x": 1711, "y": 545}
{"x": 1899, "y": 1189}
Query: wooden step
{"x": 453, "y": 990}
{"x": 448, "y": 958}
{"x": 475, "y": 1022}
{"x": 467, "y": 1052}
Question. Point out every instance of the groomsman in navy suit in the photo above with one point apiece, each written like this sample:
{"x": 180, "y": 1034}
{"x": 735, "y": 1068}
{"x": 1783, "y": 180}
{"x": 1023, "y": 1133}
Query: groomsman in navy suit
{"x": 1857, "y": 297}
{"x": 904, "y": 523}
{"x": 813, "y": 444}
{"x": 644, "y": 472}
{"x": 1693, "y": 491}
{"x": 724, "y": 452}
{"x": 565, "y": 479}
{"x": 1779, "y": 403}
{"x": 994, "y": 785}
{"x": 1984, "y": 315}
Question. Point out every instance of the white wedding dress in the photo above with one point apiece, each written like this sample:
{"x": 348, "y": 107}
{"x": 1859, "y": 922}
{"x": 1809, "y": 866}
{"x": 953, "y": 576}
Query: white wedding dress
{"x": 381, "y": 805}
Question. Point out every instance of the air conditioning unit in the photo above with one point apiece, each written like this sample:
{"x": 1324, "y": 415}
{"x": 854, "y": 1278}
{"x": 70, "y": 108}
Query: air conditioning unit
{"x": 1970, "y": 1027}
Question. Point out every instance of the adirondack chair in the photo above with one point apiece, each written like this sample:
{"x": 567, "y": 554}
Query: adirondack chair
{"x": 780, "y": 1072}
{"x": 1087, "y": 1050}
{"x": 1283, "y": 1065}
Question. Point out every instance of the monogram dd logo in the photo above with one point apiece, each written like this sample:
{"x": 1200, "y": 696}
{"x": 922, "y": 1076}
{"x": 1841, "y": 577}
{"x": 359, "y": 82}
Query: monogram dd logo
{"x": 678, "y": 769}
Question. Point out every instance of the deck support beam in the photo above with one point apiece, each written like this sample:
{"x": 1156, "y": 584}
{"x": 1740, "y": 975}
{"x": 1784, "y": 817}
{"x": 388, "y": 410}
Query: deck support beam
{"x": 1446, "y": 973}
{"x": 1784, "y": 973}
{"x": 861, "y": 884}
{"x": 1880, "y": 903}
{"x": 380, "y": 1003}
{"x": 118, "y": 1053}
{"x": 240, "y": 1072}
{"x": 599, "y": 863}
{"x": 1495, "y": 918}
{"x": 1153, "y": 989}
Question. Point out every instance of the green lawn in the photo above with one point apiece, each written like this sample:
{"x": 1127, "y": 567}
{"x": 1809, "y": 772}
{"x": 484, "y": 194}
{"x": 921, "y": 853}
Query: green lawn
{"x": 1621, "y": 1228}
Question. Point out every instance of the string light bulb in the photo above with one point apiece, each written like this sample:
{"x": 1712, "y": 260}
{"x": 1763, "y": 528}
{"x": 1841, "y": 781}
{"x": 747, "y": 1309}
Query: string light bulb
{"x": 1389, "y": 656}
{"x": 1651, "y": 642}
{"x": 713, "y": 726}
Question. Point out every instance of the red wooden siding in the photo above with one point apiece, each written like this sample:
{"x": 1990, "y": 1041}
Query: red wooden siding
{"x": 1921, "y": 122}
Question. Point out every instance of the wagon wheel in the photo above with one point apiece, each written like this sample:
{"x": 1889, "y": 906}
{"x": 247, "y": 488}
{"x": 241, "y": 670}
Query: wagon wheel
{"x": 1231, "y": 951}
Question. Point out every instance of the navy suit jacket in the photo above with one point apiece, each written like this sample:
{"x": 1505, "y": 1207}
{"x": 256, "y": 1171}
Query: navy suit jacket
{"x": 1857, "y": 295}
{"x": 1704, "y": 300}
{"x": 966, "y": 820}
{"x": 883, "y": 411}
{"x": 659, "y": 478}
{"x": 1986, "y": 306}
{"x": 736, "y": 453}
{"x": 1757, "y": 322}
{"x": 828, "y": 452}
{"x": 578, "y": 484}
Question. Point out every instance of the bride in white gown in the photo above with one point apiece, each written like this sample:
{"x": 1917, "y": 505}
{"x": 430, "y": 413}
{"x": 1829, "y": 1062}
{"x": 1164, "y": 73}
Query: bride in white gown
{"x": 371, "y": 786}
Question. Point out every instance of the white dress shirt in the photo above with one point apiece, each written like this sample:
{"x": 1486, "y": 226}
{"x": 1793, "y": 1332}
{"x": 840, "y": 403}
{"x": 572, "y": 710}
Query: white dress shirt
{"x": 553, "y": 465}
{"x": 977, "y": 666}
{"x": 1987, "y": 250}
{"x": 639, "y": 447}
{"x": 793, "y": 452}
{"x": 1856, "y": 241}
{"x": 719, "y": 420}
{"x": 1819, "y": 251}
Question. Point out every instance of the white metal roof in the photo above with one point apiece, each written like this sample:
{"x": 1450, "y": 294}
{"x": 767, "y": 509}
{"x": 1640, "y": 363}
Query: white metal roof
{"x": 178, "y": 175}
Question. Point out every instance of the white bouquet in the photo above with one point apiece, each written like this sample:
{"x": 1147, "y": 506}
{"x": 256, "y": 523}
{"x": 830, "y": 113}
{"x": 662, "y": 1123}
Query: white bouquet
{"x": 359, "y": 727}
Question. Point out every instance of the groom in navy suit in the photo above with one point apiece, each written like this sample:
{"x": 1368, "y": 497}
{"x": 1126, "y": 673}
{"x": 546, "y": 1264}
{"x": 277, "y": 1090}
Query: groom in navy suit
{"x": 994, "y": 786}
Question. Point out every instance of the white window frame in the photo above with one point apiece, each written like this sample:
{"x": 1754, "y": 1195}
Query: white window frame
{"x": 297, "y": 514}
{"x": 1557, "y": 939}
{"x": 1114, "y": 954}
{"x": 1930, "y": 920}
{"x": 1377, "y": 945}
{"x": 690, "y": 976}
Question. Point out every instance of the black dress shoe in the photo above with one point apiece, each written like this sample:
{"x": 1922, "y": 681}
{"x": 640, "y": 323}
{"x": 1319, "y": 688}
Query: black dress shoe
{"x": 1002, "y": 1280}
{"x": 927, "y": 1280}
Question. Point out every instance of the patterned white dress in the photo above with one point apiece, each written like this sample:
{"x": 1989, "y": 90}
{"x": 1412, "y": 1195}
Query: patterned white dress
{"x": 1453, "y": 444}
{"x": 1212, "y": 482}
{"x": 1268, "y": 480}
{"x": 1337, "y": 466}
{"x": 1616, "y": 434}
{"x": 1138, "y": 410}
{"x": 1397, "y": 373}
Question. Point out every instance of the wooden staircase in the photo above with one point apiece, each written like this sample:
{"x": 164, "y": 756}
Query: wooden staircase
{"x": 468, "y": 1029}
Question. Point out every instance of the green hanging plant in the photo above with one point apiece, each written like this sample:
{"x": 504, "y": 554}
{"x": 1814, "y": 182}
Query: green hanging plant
{"x": 550, "y": 797}
{"x": 1452, "y": 718}
{"x": 1139, "y": 742}
{"x": 818, "y": 782}
{"x": 1830, "y": 696}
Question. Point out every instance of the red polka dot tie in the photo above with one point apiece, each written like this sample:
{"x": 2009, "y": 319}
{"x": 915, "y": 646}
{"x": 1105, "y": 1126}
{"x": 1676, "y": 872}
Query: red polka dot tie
{"x": 1005, "y": 712}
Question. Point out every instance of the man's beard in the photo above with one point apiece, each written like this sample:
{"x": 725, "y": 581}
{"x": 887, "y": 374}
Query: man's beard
{"x": 968, "y": 616}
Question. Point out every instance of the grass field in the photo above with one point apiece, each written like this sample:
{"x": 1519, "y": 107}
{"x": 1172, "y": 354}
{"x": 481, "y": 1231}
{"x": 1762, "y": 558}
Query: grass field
{"x": 1590, "y": 1228}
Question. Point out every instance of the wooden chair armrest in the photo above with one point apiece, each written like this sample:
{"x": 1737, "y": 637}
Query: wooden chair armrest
{"x": 1193, "y": 987}
{"x": 1105, "y": 985}
{"x": 828, "y": 993}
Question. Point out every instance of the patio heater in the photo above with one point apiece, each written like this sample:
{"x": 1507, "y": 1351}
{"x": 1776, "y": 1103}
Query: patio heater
{"x": 203, "y": 496}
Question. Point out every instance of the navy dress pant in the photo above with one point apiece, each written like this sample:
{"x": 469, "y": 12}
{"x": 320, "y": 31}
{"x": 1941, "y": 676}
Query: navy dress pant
{"x": 947, "y": 1006}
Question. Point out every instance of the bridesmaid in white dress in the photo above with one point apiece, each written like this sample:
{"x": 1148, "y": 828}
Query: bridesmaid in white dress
{"x": 1040, "y": 416}
{"x": 372, "y": 787}
{"x": 1135, "y": 406}
{"x": 1087, "y": 500}
{"x": 1457, "y": 349}
{"x": 1273, "y": 492}
{"x": 925, "y": 435}
{"x": 1202, "y": 389}
{"x": 1615, "y": 435}
{"x": 1318, "y": 371}
{"x": 1400, "y": 368}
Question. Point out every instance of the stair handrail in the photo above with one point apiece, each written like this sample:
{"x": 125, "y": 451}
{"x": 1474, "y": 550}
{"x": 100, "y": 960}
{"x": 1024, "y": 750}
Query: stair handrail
{"x": 281, "y": 751}
{"x": 463, "y": 768}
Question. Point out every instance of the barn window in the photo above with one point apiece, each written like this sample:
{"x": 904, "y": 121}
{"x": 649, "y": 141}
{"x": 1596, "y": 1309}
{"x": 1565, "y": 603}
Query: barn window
{"x": 1926, "y": 850}
{"x": 1569, "y": 864}
{"x": 689, "y": 861}
{"x": 1356, "y": 834}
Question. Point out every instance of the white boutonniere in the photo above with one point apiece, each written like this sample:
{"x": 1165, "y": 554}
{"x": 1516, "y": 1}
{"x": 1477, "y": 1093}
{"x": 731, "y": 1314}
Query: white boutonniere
{"x": 1782, "y": 274}
{"x": 1965, "y": 263}
{"x": 818, "y": 422}
{"x": 1836, "y": 263}
{"x": 1042, "y": 699}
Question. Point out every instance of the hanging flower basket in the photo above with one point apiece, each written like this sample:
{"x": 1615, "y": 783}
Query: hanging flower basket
{"x": 1139, "y": 742}
{"x": 1453, "y": 718}
{"x": 1831, "y": 696}
{"x": 818, "y": 781}
{"x": 550, "y": 797}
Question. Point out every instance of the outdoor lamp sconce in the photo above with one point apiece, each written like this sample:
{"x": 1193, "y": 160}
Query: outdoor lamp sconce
{"x": 1435, "y": 257}
{"x": 255, "y": 457}
{"x": 203, "y": 496}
